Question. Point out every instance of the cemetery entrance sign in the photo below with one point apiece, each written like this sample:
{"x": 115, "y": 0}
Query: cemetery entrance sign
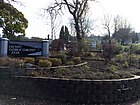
{"x": 24, "y": 48}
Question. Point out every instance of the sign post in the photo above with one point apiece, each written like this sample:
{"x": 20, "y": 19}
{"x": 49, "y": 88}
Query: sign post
{"x": 24, "y": 48}
{"x": 3, "y": 47}
{"x": 45, "y": 48}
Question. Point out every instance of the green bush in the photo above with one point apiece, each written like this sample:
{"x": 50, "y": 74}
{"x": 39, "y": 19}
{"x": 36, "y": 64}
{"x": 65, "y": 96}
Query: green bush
{"x": 44, "y": 63}
{"x": 133, "y": 48}
{"x": 126, "y": 49}
{"x": 69, "y": 63}
{"x": 125, "y": 64}
{"x": 76, "y": 60}
{"x": 138, "y": 49}
{"x": 89, "y": 54}
{"x": 119, "y": 57}
{"x": 61, "y": 56}
{"x": 55, "y": 61}
{"x": 133, "y": 57}
{"x": 113, "y": 68}
{"x": 86, "y": 44}
{"x": 11, "y": 62}
{"x": 117, "y": 49}
{"x": 29, "y": 60}
{"x": 98, "y": 46}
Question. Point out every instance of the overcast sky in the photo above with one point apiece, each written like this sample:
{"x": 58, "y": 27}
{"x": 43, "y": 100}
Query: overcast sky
{"x": 38, "y": 27}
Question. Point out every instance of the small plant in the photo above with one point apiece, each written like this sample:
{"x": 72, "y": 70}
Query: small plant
{"x": 117, "y": 49}
{"x": 99, "y": 46}
{"x": 119, "y": 58}
{"x": 89, "y": 54}
{"x": 69, "y": 63}
{"x": 11, "y": 62}
{"x": 126, "y": 49}
{"x": 113, "y": 68}
{"x": 76, "y": 60}
{"x": 125, "y": 64}
{"x": 61, "y": 56}
{"x": 133, "y": 58}
{"x": 4, "y": 61}
{"x": 55, "y": 61}
{"x": 44, "y": 63}
{"x": 29, "y": 60}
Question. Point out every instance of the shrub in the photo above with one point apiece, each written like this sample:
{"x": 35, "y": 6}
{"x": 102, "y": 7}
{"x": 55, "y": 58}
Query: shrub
{"x": 55, "y": 61}
{"x": 86, "y": 54}
{"x": 125, "y": 64}
{"x": 4, "y": 61}
{"x": 126, "y": 49}
{"x": 133, "y": 58}
{"x": 11, "y": 62}
{"x": 137, "y": 51}
{"x": 86, "y": 44}
{"x": 76, "y": 60}
{"x": 133, "y": 48}
{"x": 113, "y": 68}
{"x": 119, "y": 57}
{"x": 44, "y": 63}
{"x": 69, "y": 63}
{"x": 98, "y": 46}
{"x": 117, "y": 49}
{"x": 61, "y": 56}
{"x": 57, "y": 44}
{"x": 89, "y": 54}
{"x": 73, "y": 51}
{"x": 29, "y": 60}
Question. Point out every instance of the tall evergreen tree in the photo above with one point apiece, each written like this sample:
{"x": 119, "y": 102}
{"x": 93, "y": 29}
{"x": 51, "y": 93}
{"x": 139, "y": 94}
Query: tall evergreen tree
{"x": 67, "y": 35}
{"x": 62, "y": 33}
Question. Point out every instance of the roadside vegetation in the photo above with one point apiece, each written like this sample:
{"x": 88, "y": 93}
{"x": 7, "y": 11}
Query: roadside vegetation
{"x": 124, "y": 63}
{"x": 113, "y": 56}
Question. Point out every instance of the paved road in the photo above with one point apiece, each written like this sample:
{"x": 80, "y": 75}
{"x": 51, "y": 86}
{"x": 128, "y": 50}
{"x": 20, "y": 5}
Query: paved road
{"x": 16, "y": 100}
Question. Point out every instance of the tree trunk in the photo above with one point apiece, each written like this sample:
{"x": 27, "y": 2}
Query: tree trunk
{"x": 78, "y": 35}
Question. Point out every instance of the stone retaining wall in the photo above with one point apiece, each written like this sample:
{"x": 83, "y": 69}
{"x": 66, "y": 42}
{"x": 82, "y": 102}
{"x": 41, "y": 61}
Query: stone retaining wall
{"x": 73, "y": 91}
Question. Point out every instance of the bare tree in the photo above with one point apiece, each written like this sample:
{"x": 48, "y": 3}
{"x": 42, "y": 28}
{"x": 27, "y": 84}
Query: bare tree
{"x": 54, "y": 22}
{"x": 76, "y": 8}
{"x": 86, "y": 24}
{"x": 117, "y": 23}
{"x": 107, "y": 24}
{"x": 72, "y": 29}
{"x": 122, "y": 29}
